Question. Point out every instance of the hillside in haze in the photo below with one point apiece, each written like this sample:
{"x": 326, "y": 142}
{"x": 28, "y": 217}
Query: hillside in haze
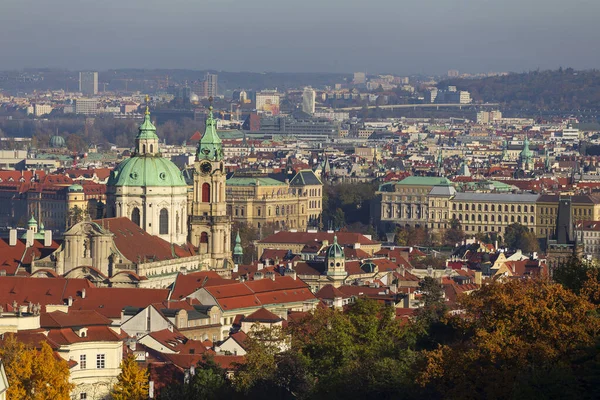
{"x": 562, "y": 89}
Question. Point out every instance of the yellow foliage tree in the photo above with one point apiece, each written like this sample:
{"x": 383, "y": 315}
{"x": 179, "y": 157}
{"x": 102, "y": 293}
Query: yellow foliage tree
{"x": 132, "y": 382}
{"x": 34, "y": 374}
{"x": 511, "y": 332}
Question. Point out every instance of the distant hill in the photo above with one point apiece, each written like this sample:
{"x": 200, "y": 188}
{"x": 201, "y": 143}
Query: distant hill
{"x": 559, "y": 90}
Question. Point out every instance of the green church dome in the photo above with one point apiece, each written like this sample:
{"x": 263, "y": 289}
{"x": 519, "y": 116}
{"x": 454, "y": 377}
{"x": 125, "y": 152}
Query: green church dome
{"x": 335, "y": 250}
{"x": 146, "y": 171}
{"x": 57, "y": 141}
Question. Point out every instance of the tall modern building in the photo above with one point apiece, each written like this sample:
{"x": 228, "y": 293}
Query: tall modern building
{"x": 88, "y": 83}
{"x": 210, "y": 84}
{"x": 308, "y": 100}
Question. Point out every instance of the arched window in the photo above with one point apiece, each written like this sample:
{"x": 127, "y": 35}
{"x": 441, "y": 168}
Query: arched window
{"x": 177, "y": 222}
{"x": 493, "y": 208}
{"x": 163, "y": 222}
{"x": 151, "y": 148}
{"x": 135, "y": 216}
{"x": 204, "y": 237}
{"x": 531, "y": 219}
{"x": 258, "y": 211}
{"x": 143, "y": 149}
{"x": 206, "y": 193}
{"x": 518, "y": 208}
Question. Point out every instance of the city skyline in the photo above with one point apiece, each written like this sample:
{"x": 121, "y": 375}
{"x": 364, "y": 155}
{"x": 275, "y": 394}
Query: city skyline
{"x": 430, "y": 37}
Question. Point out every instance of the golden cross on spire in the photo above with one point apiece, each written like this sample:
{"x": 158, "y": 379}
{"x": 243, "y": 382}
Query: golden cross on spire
{"x": 147, "y": 105}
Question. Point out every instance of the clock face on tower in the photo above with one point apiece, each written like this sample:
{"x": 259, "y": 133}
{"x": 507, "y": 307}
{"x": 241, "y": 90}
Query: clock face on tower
{"x": 206, "y": 167}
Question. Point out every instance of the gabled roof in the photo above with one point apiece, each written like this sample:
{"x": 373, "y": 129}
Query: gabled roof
{"x": 262, "y": 315}
{"x": 329, "y": 292}
{"x": 305, "y": 177}
{"x": 187, "y": 284}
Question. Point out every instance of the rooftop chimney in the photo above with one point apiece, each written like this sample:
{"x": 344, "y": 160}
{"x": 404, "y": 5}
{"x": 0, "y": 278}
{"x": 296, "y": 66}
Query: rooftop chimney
{"x": 12, "y": 237}
{"x": 47, "y": 238}
{"x": 83, "y": 293}
{"x": 29, "y": 238}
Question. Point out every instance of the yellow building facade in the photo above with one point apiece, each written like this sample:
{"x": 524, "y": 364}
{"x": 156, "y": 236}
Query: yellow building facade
{"x": 260, "y": 200}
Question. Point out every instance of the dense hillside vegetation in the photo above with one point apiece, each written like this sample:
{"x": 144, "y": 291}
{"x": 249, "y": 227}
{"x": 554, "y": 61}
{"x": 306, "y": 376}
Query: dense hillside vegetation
{"x": 562, "y": 89}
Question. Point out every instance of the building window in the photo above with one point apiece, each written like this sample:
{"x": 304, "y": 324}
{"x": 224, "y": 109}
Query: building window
{"x": 205, "y": 193}
{"x": 163, "y": 226}
{"x": 204, "y": 237}
{"x": 135, "y": 216}
{"x": 82, "y": 396}
{"x": 100, "y": 361}
{"x": 82, "y": 361}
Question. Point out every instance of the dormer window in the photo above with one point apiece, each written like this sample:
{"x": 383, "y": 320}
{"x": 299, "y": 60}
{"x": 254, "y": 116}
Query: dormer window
{"x": 82, "y": 332}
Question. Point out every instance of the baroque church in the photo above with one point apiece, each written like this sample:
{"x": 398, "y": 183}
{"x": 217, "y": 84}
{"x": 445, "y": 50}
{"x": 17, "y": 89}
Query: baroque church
{"x": 156, "y": 226}
{"x": 151, "y": 191}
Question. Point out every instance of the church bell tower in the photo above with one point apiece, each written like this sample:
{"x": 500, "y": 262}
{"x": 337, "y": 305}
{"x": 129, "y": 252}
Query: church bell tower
{"x": 210, "y": 227}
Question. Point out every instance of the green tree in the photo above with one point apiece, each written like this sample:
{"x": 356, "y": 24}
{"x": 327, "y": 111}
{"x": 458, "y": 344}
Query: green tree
{"x": 132, "y": 382}
{"x": 518, "y": 236}
{"x": 209, "y": 382}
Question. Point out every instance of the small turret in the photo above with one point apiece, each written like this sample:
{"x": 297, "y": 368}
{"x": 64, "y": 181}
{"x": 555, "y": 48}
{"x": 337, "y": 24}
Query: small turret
{"x": 238, "y": 250}
{"x": 335, "y": 260}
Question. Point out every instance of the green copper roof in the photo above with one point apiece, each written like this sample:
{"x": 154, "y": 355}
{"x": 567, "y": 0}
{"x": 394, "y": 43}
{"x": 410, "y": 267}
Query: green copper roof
{"x": 250, "y": 181}
{"x": 423, "y": 181}
{"x": 146, "y": 171}
{"x": 335, "y": 250}
{"x": 238, "y": 250}
{"x": 210, "y": 146}
{"x": 147, "y": 130}
{"x": 75, "y": 188}
{"x": 32, "y": 221}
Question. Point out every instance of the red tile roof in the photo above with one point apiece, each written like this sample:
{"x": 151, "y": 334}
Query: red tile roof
{"x": 110, "y": 301}
{"x": 329, "y": 292}
{"x": 139, "y": 246}
{"x": 262, "y": 315}
{"x": 66, "y": 336}
{"x": 249, "y": 294}
{"x": 25, "y": 290}
{"x": 187, "y": 284}
{"x": 343, "y": 238}
{"x": 11, "y": 256}
{"x": 73, "y": 318}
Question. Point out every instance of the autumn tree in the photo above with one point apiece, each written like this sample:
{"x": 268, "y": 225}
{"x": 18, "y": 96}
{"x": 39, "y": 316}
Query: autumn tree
{"x": 520, "y": 336}
{"x": 132, "y": 382}
{"x": 34, "y": 374}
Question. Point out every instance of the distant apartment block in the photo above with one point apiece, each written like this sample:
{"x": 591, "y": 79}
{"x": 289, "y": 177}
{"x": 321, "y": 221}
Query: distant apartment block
{"x": 453, "y": 73}
{"x": 308, "y": 100}
{"x": 268, "y": 102}
{"x": 487, "y": 117}
{"x": 85, "y": 106}
{"x": 39, "y": 109}
{"x": 210, "y": 84}
{"x": 88, "y": 83}
{"x": 360, "y": 78}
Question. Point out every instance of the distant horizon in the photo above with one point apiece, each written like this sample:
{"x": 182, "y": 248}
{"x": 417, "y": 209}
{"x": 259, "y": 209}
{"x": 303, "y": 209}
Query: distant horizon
{"x": 217, "y": 71}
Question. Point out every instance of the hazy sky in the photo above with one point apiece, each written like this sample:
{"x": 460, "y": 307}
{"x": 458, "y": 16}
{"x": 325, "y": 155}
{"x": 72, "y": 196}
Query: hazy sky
{"x": 397, "y": 36}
